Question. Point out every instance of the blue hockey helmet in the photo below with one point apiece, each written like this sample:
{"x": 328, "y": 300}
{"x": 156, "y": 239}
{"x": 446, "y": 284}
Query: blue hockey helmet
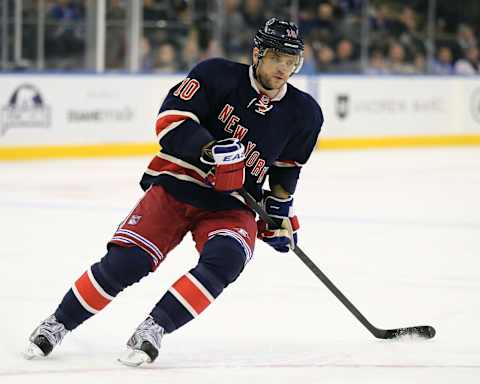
{"x": 282, "y": 36}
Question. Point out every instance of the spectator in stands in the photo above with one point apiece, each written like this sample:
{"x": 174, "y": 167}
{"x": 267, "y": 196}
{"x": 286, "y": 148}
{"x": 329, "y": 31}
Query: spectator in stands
{"x": 64, "y": 11}
{"x": 376, "y": 64}
{"x": 419, "y": 63}
{"x": 164, "y": 21}
{"x": 349, "y": 7}
{"x": 165, "y": 58}
{"x": 396, "y": 61}
{"x": 213, "y": 49}
{"x": 466, "y": 37}
{"x": 409, "y": 33}
{"x": 179, "y": 30}
{"x": 203, "y": 24}
{"x": 190, "y": 51}
{"x": 326, "y": 18}
{"x": 323, "y": 26}
{"x": 195, "y": 34}
{"x": 115, "y": 36}
{"x": 281, "y": 9}
{"x": 153, "y": 12}
{"x": 254, "y": 15}
{"x": 65, "y": 35}
{"x": 307, "y": 10}
{"x": 146, "y": 55}
{"x": 29, "y": 45}
{"x": 381, "y": 21}
{"x": 443, "y": 62}
{"x": 345, "y": 61}
{"x": 325, "y": 57}
{"x": 235, "y": 35}
{"x": 470, "y": 64}
{"x": 348, "y": 21}
{"x": 116, "y": 10}
{"x": 309, "y": 66}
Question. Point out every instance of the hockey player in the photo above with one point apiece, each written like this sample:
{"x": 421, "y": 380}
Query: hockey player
{"x": 225, "y": 126}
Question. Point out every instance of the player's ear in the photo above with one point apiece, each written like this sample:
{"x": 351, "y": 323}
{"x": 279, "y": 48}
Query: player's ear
{"x": 255, "y": 54}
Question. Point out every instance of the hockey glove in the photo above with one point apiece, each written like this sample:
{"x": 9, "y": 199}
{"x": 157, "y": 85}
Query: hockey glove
{"x": 283, "y": 237}
{"x": 227, "y": 158}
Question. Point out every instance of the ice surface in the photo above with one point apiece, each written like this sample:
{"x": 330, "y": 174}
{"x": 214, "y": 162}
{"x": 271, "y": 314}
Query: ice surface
{"x": 397, "y": 231}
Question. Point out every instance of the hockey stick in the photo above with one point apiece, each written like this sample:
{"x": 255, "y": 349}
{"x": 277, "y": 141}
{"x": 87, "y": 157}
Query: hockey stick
{"x": 425, "y": 331}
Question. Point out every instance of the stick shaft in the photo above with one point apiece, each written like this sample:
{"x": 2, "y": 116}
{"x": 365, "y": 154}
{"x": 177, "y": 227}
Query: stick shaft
{"x": 379, "y": 333}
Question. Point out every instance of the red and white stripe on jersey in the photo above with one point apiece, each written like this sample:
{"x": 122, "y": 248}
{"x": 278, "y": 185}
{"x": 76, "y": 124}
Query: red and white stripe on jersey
{"x": 236, "y": 236}
{"x": 90, "y": 294}
{"x": 168, "y": 120}
{"x": 286, "y": 164}
{"x": 191, "y": 294}
{"x": 170, "y": 165}
{"x": 129, "y": 237}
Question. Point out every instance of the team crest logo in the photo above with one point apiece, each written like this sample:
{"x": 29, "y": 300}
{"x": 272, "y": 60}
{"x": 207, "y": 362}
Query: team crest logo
{"x": 25, "y": 109}
{"x": 264, "y": 99}
{"x": 134, "y": 220}
{"x": 475, "y": 105}
{"x": 263, "y": 105}
{"x": 342, "y": 107}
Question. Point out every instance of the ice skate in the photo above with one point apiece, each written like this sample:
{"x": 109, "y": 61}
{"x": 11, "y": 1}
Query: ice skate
{"x": 45, "y": 337}
{"x": 144, "y": 344}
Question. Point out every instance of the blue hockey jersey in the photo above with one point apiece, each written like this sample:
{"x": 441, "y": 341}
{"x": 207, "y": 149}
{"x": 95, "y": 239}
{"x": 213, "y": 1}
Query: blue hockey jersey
{"x": 217, "y": 100}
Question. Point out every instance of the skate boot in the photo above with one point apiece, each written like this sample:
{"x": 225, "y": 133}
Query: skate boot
{"x": 144, "y": 344}
{"x": 45, "y": 337}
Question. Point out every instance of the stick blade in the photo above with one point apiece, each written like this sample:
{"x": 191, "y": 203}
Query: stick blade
{"x": 423, "y": 331}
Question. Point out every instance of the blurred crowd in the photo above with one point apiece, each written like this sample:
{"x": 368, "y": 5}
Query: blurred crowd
{"x": 341, "y": 36}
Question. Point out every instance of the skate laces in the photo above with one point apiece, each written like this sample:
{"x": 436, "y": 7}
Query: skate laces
{"x": 149, "y": 331}
{"x": 53, "y": 330}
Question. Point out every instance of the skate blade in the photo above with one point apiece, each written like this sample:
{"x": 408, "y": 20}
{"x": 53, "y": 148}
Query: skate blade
{"x": 134, "y": 358}
{"x": 33, "y": 352}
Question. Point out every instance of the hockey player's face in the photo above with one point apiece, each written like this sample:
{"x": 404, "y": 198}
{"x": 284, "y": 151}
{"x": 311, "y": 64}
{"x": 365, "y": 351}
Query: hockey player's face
{"x": 275, "y": 68}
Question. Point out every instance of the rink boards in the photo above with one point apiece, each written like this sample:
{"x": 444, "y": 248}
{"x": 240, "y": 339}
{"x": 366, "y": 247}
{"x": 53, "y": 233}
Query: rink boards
{"x": 89, "y": 115}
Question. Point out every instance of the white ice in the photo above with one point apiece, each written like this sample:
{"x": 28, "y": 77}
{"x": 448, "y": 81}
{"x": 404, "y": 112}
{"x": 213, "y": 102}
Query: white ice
{"x": 398, "y": 231}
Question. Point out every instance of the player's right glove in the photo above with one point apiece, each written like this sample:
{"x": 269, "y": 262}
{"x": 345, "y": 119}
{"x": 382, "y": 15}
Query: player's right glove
{"x": 227, "y": 158}
{"x": 283, "y": 236}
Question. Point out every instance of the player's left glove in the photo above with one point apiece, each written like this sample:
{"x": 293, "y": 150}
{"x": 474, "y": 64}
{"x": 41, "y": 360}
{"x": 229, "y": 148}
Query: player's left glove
{"x": 227, "y": 158}
{"x": 283, "y": 237}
